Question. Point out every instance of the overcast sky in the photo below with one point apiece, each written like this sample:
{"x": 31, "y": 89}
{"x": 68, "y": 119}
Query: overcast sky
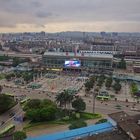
{"x": 69, "y": 15}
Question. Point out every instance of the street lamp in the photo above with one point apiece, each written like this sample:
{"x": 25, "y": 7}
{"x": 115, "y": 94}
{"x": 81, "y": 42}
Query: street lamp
{"x": 125, "y": 92}
{"x": 94, "y": 98}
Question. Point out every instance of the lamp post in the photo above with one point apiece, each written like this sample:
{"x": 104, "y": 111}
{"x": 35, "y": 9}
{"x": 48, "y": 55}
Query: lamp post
{"x": 125, "y": 92}
{"x": 93, "y": 101}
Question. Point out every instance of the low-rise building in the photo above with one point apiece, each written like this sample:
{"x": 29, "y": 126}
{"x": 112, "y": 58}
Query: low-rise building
{"x": 126, "y": 124}
{"x": 86, "y": 60}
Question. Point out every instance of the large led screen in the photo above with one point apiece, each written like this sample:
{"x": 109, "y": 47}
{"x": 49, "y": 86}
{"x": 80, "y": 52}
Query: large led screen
{"x": 72, "y": 63}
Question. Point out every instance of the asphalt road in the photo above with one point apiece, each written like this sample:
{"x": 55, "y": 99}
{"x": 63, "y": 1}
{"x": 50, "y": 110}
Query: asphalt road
{"x": 108, "y": 107}
{"x": 4, "y": 117}
{"x": 105, "y": 107}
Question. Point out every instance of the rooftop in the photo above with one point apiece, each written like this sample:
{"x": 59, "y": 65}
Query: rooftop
{"x": 114, "y": 135}
{"x": 120, "y": 116}
{"x": 126, "y": 123}
{"x": 94, "y": 55}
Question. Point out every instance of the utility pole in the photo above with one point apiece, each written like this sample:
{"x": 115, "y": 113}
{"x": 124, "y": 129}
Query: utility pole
{"x": 93, "y": 101}
{"x": 125, "y": 91}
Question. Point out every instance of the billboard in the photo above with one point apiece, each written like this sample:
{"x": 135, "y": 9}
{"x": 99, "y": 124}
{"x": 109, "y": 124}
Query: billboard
{"x": 72, "y": 63}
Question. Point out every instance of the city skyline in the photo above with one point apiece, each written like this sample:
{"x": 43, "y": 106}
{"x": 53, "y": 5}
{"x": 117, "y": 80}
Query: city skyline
{"x": 69, "y": 15}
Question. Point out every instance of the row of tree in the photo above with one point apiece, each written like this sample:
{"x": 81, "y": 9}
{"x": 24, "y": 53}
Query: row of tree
{"x": 67, "y": 99}
{"x": 99, "y": 81}
{"x": 89, "y": 84}
{"x": 27, "y": 76}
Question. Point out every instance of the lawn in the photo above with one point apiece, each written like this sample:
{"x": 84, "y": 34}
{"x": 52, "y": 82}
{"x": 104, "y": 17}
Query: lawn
{"x": 87, "y": 116}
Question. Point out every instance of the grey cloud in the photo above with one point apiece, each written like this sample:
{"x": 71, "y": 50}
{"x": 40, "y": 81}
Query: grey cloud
{"x": 39, "y": 26}
{"x": 7, "y": 25}
{"x": 36, "y": 4}
{"x": 40, "y": 12}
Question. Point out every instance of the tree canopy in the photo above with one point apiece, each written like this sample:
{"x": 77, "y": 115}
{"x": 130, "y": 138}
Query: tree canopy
{"x": 40, "y": 110}
{"x": 117, "y": 86}
{"x": 6, "y": 102}
{"x": 19, "y": 135}
{"x": 64, "y": 98}
{"x": 108, "y": 82}
{"x": 134, "y": 88}
{"x": 77, "y": 124}
{"x": 89, "y": 85}
{"x": 101, "y": 80}
{"x": 79, "y": 105}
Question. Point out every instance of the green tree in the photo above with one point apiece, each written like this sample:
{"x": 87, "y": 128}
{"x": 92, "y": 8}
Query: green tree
{"x": 92, "y": 79}
{"x": 79, "y": 105}
{"x": 19, "y": 135}
{"x": 101, "y": 80}
{"x": 47, "y": 102}
{"x": 9, "y": 76}
{"x": 94, "y": 94}
{"x": 33, "y": 115}
{"x": 6, "y": 102}
{"x": 16, "y": 61}
{"x": 108, "y": 82}
{"x": 101, "y": 121}
{"x": 27, "y": 76}
{"x": 64, "y": 98}
{"x": 60, "y": 99}
{"x": 117, "y": 87}
{"x": 122, "y": 64}
{"x": 40, "y": 110}
{"x": 18, "y": 74}
{"x": 77, "y": 124}
{"x": 69, "y": 96}
{"x": 33, "y": 104}
{"x": 134, "y": 88}
{"x": 48, "y": 113}
{"x": 88, "y": 85}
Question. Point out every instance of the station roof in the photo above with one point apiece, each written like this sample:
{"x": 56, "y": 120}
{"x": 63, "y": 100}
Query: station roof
{"x": 72, "y": 54}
